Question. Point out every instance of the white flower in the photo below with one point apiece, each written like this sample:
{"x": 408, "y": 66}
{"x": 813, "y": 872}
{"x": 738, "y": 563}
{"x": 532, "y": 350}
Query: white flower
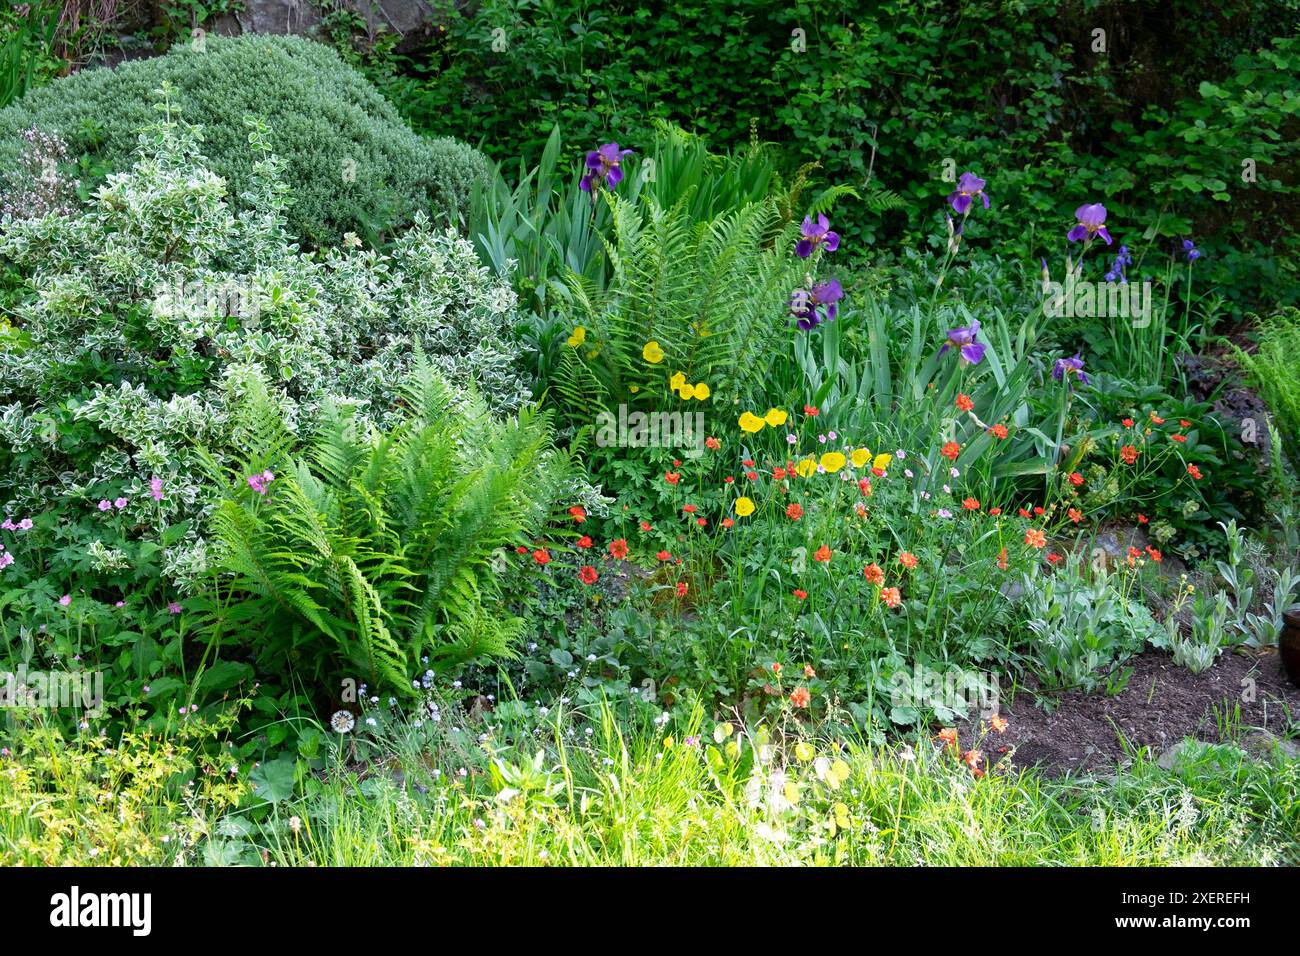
{"x": 342, "y": 722}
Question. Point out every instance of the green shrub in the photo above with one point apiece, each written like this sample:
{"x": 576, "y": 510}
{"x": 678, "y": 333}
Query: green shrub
{"x": 143, "y": 319}
{"x": 353, "y": 163}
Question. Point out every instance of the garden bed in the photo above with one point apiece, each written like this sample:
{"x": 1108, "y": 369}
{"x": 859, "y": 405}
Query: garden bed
{"x": 1159, "y": 706}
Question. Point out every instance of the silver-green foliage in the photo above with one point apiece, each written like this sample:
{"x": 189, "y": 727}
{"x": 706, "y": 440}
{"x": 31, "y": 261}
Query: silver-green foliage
{"x": 1082, "y": 627}
{"x": 148, "y": 313}
{"x": 352, "y": 161}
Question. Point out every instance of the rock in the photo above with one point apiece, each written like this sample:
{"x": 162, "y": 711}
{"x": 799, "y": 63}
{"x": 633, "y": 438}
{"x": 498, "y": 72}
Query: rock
{"x": 1171, "y": 757}
{"x": 1265, "y": 745}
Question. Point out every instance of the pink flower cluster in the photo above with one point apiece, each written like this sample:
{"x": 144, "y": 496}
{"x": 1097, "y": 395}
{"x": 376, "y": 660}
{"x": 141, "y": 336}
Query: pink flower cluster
{"x": 9, "y": 525}
{"x": 260, "y": 483}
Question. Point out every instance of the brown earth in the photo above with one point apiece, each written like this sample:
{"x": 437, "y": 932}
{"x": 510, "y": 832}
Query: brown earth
{"x": 1159, "y": 706}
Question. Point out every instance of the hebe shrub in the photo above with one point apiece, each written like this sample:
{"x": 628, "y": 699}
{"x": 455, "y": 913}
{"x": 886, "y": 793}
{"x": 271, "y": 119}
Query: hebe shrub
{"x": 354, "y": 165}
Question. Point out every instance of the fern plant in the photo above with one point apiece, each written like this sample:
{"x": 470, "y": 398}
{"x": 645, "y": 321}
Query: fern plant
{"x": 711, "y": 294}
{"x": 373, "y": 551}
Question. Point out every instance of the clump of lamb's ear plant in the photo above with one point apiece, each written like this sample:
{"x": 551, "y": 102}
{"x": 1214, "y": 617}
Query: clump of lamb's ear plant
{"x": 38, "y": 186}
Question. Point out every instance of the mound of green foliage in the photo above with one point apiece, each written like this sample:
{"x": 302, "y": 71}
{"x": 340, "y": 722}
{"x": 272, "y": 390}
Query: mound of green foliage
{"x": 143, "y": 319}
{"x": 354, "y": 165}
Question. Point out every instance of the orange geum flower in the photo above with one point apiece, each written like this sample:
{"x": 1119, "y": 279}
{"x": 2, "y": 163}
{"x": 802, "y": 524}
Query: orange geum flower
{"x": 1075, "y": 515}
{"x": 1129, "y": 454}
{"x": 1194, "y": 472}
{"x": 971, "y": 504}
{"x": 874, "y": 574}
{"x": 907, "y": 559}
{"x": 822, "y": 554}
{"x": 891, "y": 597}
{"x": 998, "y": 723}
{"x": 1035, "y": 538}
{"x": 800, "y": 697}
{"x": 618, "y": 548}
{"x": 998, "y": 431}
{"x": 964, "y": 402}
{"x": 948, "y": 735}
{"x": 794, "y": 511}
{"x": 950, "y": 450}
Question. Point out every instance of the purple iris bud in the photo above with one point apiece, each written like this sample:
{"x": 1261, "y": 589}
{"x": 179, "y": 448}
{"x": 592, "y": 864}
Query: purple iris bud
{"x": 968, "y": 187}
{"x": 1064, "y": 368}
{"x": 1117, "y": 273}
{"x": 1193, "y": 253}
{"x": 811, "y": 308}
{"x": 604, "y": 163}
{"x": 814, "y": 235}
{"x": 1091, "y": 221}
{"x": 963, "y": 339}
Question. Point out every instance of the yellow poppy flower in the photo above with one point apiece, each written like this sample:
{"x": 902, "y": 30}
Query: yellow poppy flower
{"x": 791, "y": 792}
{"x": 751, "y": 422}
{"x": 634, "y": 389}
{"x": 744, "y": 507}
{"x": 833, "y": 461}
{"x": 686, "y": 391}
{"x": 775, "y": 417}
{"x": 803, "y": 751}
{"x": 652, "y": 353}
{"x": 806, "y": 467}
{"x": 577, "y": 338}
{"x": 701, "y": 391}
{"x": 882, "y": 461}
{"x": 677, "y": 381}
{"x": 860, "y": 457}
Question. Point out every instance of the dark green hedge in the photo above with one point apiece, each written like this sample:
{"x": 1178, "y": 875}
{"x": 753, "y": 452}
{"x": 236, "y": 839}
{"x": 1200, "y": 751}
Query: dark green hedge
{"x": 1157, "y": 127}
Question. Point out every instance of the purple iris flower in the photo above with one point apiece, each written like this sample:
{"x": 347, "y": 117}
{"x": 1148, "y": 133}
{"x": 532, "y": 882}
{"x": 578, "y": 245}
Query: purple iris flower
{"x": 1064, "y": 368}
{"x": 814, "y": 235}
{"x": 1091, "y": 221}
{"x": 968, "y": 186}
{"x": 1193, "y": 253}
{"x": 604, "y": 163}
{"x": 963, "y": 338}
{"x": 1122, "y": 261}
{"x": 810, "y": 309}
